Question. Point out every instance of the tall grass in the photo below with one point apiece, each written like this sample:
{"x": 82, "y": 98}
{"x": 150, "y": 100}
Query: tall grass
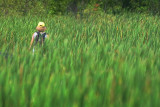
{"x": 103, "y": 60}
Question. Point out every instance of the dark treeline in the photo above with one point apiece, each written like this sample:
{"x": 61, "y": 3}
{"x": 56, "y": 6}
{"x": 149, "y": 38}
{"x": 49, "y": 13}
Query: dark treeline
{"x": 34, "y": 7}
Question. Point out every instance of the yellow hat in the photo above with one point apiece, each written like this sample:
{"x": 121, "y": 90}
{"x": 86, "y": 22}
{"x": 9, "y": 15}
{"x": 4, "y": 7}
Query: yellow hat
{"x": 41, "y": 24}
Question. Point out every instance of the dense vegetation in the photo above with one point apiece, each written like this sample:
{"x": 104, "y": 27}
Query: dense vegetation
{"x": 102, "y": 60}
{"x": 36, "y": 7}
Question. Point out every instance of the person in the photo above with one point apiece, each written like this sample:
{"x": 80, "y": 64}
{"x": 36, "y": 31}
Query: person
{"x": 38, "y": 37}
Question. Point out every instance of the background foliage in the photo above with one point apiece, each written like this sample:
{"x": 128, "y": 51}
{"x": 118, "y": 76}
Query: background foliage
{"x": 35, "y": 7}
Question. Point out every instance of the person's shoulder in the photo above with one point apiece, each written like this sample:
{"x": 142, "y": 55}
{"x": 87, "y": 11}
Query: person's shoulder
{"x": 46, "y": 34}
{"x": 35, "y": 34}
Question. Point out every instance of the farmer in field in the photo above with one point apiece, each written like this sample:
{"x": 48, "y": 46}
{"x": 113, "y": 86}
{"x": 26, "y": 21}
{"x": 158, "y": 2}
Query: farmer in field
{"x": 38, "y": 38}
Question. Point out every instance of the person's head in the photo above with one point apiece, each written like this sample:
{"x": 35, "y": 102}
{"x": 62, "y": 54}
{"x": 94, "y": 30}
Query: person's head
{"x": 41, "y": 27}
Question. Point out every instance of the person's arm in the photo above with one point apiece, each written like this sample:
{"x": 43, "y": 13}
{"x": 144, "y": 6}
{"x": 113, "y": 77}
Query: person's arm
{"x": 31, "y": 41}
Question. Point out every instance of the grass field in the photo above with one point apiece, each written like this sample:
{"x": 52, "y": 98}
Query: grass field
{"x": 103, "y": 60}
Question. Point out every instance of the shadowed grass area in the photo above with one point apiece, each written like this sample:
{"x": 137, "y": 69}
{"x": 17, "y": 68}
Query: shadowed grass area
{"x": 103, "y": 60}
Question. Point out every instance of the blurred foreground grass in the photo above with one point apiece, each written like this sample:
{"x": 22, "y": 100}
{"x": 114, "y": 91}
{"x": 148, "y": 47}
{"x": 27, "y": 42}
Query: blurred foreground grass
{"x": 103, "y": 60}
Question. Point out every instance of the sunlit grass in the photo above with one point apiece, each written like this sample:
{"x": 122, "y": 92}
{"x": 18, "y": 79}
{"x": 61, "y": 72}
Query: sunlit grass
{"x": 97, "y": 61}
